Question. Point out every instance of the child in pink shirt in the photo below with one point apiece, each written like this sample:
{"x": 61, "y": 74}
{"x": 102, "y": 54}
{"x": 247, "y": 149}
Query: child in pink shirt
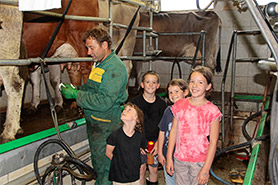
{"x": 194, "y": 131}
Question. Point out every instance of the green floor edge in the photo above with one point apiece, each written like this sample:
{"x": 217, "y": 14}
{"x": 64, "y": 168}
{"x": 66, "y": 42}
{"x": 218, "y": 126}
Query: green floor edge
{"x": 5, "y": 147}
{"x": 255, "y": 151}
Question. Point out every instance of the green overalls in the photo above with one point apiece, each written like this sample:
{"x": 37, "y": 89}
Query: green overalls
{"x": 101, "y": 98}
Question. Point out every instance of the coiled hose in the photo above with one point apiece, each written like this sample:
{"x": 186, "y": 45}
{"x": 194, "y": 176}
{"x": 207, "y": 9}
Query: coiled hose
{"x": 239, "y": 146}
{"x": 62, "y": 163}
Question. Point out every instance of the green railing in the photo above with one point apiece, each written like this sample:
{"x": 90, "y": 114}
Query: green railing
{"x": 248, "y": 97}
{"x": 37, "y": 136}
{"x": 255, "y": 151}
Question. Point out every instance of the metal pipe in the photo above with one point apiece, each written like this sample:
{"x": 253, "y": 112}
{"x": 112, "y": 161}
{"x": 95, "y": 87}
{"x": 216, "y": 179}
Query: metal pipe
{"x": 177, "y": 33}
{"x": 269, "y": 37}
{"x": 223, "y": 87}
{"x": 134, "y": 27}
{"x": 151, "y": 25}
{"x": 72, "y": 17}
{"x": 144, "y": 43}
{"x": 9, "y": 2}
{"x": 145, "y": 4}
{"x": 22, "y": 62}
{"x": 203, "y": 34}
{"x": 157, "y": 58}
{"x": 148, "y": 35}
{"x": 111, "y": 19}
{"x": 156, "y": 43}
{"x": 254, "y": 59}
{"x": 233, "y": 80}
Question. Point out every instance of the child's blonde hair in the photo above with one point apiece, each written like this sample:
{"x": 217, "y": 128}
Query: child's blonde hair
{"x": 207, "y": 73}
{"x": 140, "y": 117}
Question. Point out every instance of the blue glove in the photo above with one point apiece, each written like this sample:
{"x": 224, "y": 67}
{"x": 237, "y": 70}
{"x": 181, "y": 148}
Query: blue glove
{"x": 68, "y": 91}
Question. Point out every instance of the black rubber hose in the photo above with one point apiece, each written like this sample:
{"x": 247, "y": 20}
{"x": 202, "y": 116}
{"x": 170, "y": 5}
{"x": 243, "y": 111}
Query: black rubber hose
{"x": 232, "y": 148}
{"x": 204, "y": 9}
{"x": 59, "y": 142}
{"x": 91, "y": 174}
{"x": 179, "y": 68}
{"x": 244, "y": 131}
{"x": 47, "y": 171}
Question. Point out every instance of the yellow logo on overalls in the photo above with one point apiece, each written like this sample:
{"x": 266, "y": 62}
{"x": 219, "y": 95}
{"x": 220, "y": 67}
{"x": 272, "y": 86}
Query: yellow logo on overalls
{"x": 96, "y": 74}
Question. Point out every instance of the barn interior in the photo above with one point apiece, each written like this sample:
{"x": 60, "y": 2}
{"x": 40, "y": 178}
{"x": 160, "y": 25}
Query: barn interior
{"x": 243, "y": 91}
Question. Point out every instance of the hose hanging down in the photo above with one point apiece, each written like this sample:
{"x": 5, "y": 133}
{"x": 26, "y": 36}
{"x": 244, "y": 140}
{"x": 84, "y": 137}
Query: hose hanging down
{"x": 60, "y": 163}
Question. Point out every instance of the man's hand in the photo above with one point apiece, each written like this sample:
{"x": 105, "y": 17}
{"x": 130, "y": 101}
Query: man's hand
{"x": 68, "y": 91}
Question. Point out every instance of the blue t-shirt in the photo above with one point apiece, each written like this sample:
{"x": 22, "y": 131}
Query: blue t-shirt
{"x": 165, "y": 125}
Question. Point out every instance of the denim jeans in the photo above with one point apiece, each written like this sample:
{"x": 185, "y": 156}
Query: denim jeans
{"x": 169, "y": 180}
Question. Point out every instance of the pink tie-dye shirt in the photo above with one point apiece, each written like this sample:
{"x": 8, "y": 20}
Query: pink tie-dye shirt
{"x": 193, "y": 128}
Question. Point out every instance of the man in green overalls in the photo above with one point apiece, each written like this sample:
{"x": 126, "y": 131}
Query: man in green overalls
{"x": 101, "y": 98}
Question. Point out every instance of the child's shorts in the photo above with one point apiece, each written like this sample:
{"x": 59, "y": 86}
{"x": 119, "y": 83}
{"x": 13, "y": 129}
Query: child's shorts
{"x": 187, "y": 172}
{"x": 144, "y": 160}
{"x": 128, "y": 183}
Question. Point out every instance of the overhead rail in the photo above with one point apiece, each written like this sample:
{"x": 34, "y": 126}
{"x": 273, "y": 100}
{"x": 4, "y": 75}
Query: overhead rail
{"x": 22, "y": 62}
{"x": 72, "y": 17}
{"x": 155, "y": 52}
{"x": 148, "y": 32}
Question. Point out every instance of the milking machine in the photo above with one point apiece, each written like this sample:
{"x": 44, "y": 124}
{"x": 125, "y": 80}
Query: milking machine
{"x": 61, "y": 164}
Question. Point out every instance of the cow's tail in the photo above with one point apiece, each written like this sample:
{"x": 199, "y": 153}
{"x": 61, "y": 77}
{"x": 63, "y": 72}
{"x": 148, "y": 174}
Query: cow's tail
{"x": 218, "y": 59}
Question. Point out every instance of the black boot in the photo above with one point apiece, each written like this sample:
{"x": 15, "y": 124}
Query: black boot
{"x": 151, "y": 183}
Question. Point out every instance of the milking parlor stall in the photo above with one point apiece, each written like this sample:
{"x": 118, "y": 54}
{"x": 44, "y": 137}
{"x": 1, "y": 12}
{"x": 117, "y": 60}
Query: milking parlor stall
{"x": 43, "y": 136}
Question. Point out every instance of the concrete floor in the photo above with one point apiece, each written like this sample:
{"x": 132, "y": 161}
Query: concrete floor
{"x": 222, "y": 167}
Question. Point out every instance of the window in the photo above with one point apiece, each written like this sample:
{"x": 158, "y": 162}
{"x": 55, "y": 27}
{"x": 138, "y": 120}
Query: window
{"x": 168, "y": 5}
{"x": 264, "y": 2}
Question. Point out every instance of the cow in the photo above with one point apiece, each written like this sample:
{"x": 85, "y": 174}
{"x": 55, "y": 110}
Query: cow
{"x": 36, "y": 36}
{"x": 12, "y": 77}
{"x": 122, "y": 13}
{"x": 183, "y": 46}
{"x": 68, "y": 43}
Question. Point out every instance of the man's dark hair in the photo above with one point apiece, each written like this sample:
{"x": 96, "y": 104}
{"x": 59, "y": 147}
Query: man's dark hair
{"x": 99, "y": 34}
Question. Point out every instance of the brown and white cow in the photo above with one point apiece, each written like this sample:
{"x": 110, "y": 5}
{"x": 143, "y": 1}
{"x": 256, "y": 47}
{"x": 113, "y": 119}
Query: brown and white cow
{"x": 181, "y": 21}
{"x": 122, "y": 13}
{"x": 68, "y": 43}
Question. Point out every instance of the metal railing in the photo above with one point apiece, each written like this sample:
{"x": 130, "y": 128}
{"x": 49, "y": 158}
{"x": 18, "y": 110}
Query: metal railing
{"x": 147, "y": 32}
